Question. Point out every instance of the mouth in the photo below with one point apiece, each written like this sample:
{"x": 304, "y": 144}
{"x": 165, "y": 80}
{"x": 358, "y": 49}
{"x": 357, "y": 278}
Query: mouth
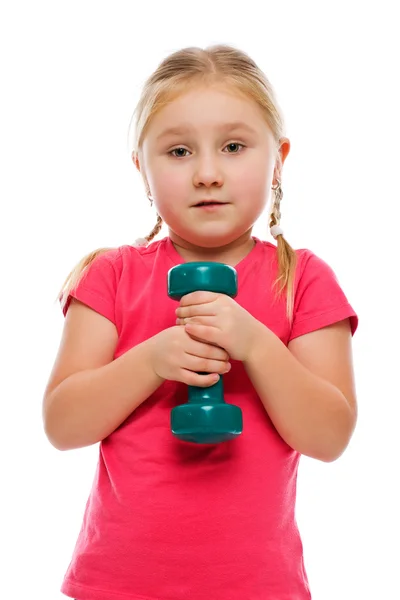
{"x": 210, "y": 203}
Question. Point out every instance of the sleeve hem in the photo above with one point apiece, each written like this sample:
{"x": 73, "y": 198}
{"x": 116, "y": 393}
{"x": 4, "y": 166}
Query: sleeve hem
{"x": 94, "y": 302}
{"x": 323, "y": 320}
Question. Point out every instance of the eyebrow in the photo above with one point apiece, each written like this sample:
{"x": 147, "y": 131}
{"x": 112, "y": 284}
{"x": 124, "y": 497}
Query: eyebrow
{"x": 188, "y": 129}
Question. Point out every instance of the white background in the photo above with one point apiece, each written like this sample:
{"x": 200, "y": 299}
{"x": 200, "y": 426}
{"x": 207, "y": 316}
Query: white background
{"x": 71, "y": 74}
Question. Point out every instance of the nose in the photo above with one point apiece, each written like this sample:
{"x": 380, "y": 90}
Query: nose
{"x": 207, "y": 172}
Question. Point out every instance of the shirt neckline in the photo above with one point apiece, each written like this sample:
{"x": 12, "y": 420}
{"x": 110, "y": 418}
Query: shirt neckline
{"x": 250, "y": 257}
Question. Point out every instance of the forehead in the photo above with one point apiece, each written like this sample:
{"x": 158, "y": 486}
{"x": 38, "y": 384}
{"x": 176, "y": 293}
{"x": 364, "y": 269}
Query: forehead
{"x": 204, "y": 108}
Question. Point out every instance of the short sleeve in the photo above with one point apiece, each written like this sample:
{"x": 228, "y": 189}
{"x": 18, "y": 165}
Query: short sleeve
{"x": 98, "y": 286}
{"x": 319, "y": 299}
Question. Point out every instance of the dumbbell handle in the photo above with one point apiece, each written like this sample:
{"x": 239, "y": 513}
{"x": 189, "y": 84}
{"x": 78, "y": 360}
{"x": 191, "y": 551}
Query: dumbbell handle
{"x": 211, "y": 277}
{"x": 213, "y": 394}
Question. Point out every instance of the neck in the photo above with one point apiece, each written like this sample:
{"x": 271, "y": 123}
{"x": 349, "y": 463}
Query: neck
{"x": 229, "y": 254}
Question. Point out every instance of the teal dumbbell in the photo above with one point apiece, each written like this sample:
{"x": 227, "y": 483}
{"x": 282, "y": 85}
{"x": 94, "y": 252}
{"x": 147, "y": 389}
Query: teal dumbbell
{"x": 206, "y": 418}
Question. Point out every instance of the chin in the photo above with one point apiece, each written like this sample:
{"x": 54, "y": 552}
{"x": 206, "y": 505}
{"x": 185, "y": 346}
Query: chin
{"x": 213, "y": 239}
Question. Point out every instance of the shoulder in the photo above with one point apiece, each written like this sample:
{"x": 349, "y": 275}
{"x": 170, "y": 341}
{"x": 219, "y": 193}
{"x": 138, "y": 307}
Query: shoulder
{"x": 125, "y": 256}
{"x": 314, "y": 275}
{"x": 312, "y": 266}
{"x": 319, "y": 298}
{"x": 133, "y": 252}
{"x": 306, "y": 259}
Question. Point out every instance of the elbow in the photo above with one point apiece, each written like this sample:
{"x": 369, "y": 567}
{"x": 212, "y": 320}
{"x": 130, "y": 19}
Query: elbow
{"x": 62, "y": 444}
{"x": 63, "y": 440}
{"x": 49, "y": 430}
{"x": 54, "y": 442}
{"x": 53, "y": 438}
{"x": 327, "y": 454}
{"x": 57, "y": 435}
{"x": 61, "y": 435}
{"x": 49, "y": 422}
{"x": 330, "y": 457}
{"x": 338, "y": 438}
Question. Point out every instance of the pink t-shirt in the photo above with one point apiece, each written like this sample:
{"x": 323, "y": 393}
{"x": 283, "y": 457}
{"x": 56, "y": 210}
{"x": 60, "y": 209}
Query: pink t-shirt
{"x": 171, "y": 520}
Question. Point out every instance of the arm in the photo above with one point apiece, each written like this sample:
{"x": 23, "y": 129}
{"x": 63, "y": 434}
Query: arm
{"x": 308, "y": 388}
{"x": 89, "y": 394}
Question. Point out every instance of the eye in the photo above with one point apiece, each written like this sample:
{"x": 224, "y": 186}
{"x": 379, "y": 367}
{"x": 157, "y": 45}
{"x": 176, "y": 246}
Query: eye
{"x": 233, "y": 147}
{"x": 177, "y": 150}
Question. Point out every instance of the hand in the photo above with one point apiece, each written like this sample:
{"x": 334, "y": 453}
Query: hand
{"x": 176, "y": 356}
{"x": 218, "y": 319}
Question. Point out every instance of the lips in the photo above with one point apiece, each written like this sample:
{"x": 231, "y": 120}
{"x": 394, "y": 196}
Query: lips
{"x": 209, "y": 203}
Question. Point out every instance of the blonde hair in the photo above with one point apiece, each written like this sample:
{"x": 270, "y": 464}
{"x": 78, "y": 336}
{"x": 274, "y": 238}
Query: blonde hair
{"x": 191, "y": 66}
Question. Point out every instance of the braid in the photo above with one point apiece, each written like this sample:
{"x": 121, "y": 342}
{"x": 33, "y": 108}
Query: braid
{"x": 156, "y": 229}
{"x": 276, "y": 208}
{"x": 287, "y": 258}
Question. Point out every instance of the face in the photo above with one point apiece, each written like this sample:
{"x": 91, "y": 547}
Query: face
{"x": 209, "y": 144}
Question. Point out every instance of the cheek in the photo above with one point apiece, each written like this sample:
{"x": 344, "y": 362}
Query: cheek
{"x": 251, "y": 185}
{"x": 253, "y": 170}
{"x": 170, "y": 190}
{"x": 169, "y": 183}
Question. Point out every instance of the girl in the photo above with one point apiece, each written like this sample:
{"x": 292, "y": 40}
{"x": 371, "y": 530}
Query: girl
{"x": 167, "y": 519}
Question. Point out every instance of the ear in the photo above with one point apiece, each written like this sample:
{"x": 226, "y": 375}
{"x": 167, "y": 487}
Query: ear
{"x": 283, "y": 151}
{"x": 135, "y": 159}
{"x": 284, "y": 148}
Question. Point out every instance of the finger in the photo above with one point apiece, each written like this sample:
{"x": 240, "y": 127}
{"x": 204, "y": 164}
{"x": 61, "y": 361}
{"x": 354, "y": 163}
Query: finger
{"x": 202, "y": 346}
{"x": 196, "y": 310}
{"x": 191, "y": 378}
{"x": 208, "y": 321}
{"x": 204, "y": 342}
{"x": 199, "y": 297}
{"x": 208, "y": 334}
{"x": 205, "y": 365}
{"x": 205, "y": 350}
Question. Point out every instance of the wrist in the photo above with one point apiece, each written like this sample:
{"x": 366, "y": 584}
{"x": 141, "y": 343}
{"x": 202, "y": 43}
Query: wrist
{"x": 150, "y": 346}
{"x": 258, "y": 341}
